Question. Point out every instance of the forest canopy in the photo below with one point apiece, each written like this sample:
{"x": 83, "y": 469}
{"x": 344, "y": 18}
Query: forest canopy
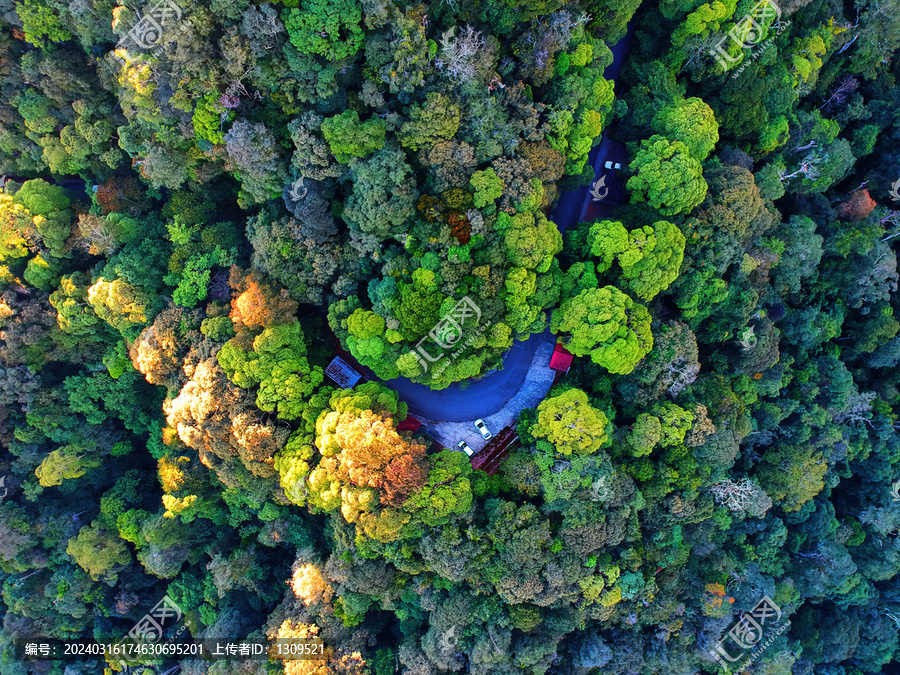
{"x": 203, "y": 202}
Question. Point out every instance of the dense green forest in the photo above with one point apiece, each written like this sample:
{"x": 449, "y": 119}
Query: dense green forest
{"x": 204, "y": 201}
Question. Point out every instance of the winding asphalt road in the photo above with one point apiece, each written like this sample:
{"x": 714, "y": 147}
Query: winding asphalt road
{"x": 487, "y": 396}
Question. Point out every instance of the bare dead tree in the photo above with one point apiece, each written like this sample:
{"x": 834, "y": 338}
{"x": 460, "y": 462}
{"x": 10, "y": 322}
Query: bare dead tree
{"x": 459, "y": 54}
{"x": 559, "y": 466}
{"x": 893, "y": 218}
{"x": 847, "y": 46}
{"x": 847, "y": 86}
{"x": 680, "y": 374}
{"x": 237, "y": 87}
{"x": 490, "y": 635}
{"x": 734, "y": 495}
{"x": 564, "y": 21}
{"x": 698, "y": 52}
{"x": 807, "y": 168}
{"x": 229, "y": 101}
{"x": 859, "y": 409}
{"x": 893, "y": 617}
{"x": 19, "y": 581}
{"x": 820, "y": 560}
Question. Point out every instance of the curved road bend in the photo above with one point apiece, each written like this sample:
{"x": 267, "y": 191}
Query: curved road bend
{"x": 489, "y": 395}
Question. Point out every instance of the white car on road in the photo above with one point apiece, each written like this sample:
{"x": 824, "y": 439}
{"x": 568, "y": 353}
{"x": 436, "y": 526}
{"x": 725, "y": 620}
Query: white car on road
{"x": 482, "y": 427}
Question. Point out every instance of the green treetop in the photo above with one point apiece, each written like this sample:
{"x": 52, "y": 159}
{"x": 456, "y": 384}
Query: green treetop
{"x": 571, "y": 423}
{"x": 666, "y": 176}
{"x": 121, "y": 305}
{"x": 608, "y": 325}
{"x": 644, "y": 434}
{"x": 347, "y": 137}
{"x": 384, "y": 194}
{"x": 659, "y": 263}
{"x": 434, "y": 121}
{"x": 371, "y": 344}
{"x": 75, "y": 315}
{"x": 674, "y": 422}
{"x": 446, "y": 493}
{"x": 532, "y": 241}
{"x": 330, "y": 28}
{"x": 650, "y": 257}
{"x": 63, "y": 464}
{"x": 278, "y": 365}
{"x": 101, "y": 553}
{"x": 488, "y": 187}
{"x": 692, "y": 122}
{"x": 40, "y": 24}
{"x": 49, "y": 208}
{"x": 608, "y": 239}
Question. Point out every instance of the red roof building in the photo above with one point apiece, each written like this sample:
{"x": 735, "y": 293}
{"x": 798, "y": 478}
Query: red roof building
{"x": 497, "y": 449}
{"x": 409, "y": 424}
{"x": 561, "y": 359}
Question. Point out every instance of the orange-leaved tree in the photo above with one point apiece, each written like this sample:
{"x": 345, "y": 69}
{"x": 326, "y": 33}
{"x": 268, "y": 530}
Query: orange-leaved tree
{"x": 374, "y": 455}
{"x": 256, "y": 302}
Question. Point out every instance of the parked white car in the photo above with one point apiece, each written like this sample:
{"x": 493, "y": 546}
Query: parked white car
{"x": 465, "y": 448}
{"x": 482, "y": 427}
